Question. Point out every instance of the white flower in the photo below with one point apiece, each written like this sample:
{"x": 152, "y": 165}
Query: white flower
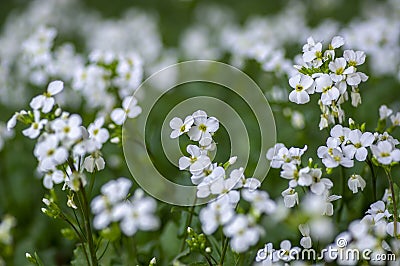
{"x": 328, "y": 210}
{"x": 333, "y": 157}
{"x": 290, "y": 197}
{"x": 260, "y": 201}
{"x": 378, "y": 211}
{"x": 12, "y": 122}
{"x": 68, "y": 128}
{"x": 313, "y": 53}
{"x": 34, "y": 130}
{"x": 279, "y": 155}
{"x": 179, "y": 127}
{"x": 225, "y": 186}
{"x": 138, "y": 215}
{"x": 197, "y": 161}
{"x": 339, "y": 70}
{"x": 303, "y": 86}
{"x": 272, "y": 155}
{"x": 97, "y": 133}
{"x": 340, "y": 133}
{"x": 93, "y": 162}
{"x": 129, "y": 110}
{"x": 242, "y": 234}
{"x": 337, "y": 42}
{"x": 305, "y": 241}
{"x": 49, "y": 153}
{"x": 218, "y": 212}
{"x": 319, "y": 185}
{"x": 390, "y": 229}
{"x": 75, "y": 180}
{"x": 384, "y": 112}
{"x": 395, "y": 119}
{"x": 287, "y": 252}
{"x": 53, "y": 177}
{"x": 359, "y": 142}
{"x": 323, "y": 122}
{"x": 355, "y": 98}
{"x": 203, "y": 128}
{"x": 113, "y": 193}
{"x": 385, "y": 153}
{"x": 46, "y": 102}
{"x": 386, "y": 136}
{"x": 354, "y": 58}
{"x": 329, "y": 93}
{"x": 204, "y": 188}
{"x": 355, "y": 182}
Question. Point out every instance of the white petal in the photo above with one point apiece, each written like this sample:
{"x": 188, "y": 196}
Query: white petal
{"x": 134, "y": 111}
{"x": 294, "y": 81}
{"x": 37, "y": 102}
{"x": 361, "y": 154}
{"x": 118, "y": 116}
{"x": 184, "y": 163}
{"x": 176, "y": 123}
{"x": 212, "y": 124}
{"x": 48, "y": 104}
{"x": 55, "y": 87}
{"x": 175, "y": 133}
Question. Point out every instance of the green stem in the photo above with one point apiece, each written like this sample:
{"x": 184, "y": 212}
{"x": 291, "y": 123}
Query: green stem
{"x": 371, "y": 167}
{"x": 188, "y": 223}
{"x": 77, "y": 219}
{"x": 223, "y": 253}
{"x": 342, "y": 177}
{"x": 389, "y": 176}
{"x": 131, "y": 254}
{"x": 88, "y": 229}
{"x": 80, "y": 237}
{"x": 91, "y": 183}
{"x": 208, "y": 259}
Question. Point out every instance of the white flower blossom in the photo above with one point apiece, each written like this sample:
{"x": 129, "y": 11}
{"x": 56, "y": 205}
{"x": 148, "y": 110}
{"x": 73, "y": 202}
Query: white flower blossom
{"x": 305, "y": 241}
{"x": 203, "y": 128}
{"x": 50, "y": 153}
{"x": 385, "y": 152}
{"x": 129, "y": 109}
{"x": 180, "y": 127}
{"x": 355, "y": 182}
{"x": 242, "y": 234}
{"x": 303, "y": 86}
{"x": 37, "y": 125}
{"x": 197, "y": 161}
{"x": 216, "y": 213}
{"x": 359, "y": 142}
{"x": 46, "y": 102}
{"x": 384, "y": 112}
{"x": 290, "y": 197}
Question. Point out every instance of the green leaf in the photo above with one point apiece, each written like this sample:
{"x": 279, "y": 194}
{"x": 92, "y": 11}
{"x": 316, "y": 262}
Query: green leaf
{"x": 169, "y": 243}
{"x": 79, "y": 257}
{"x": 111, "y": 233}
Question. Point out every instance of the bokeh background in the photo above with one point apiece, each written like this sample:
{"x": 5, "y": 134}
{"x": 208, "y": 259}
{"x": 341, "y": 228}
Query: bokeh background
{"x": 164, "y": 32}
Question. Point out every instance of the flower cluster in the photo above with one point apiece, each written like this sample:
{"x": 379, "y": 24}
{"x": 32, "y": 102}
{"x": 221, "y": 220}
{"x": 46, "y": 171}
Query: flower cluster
{"x": 369, "y": 233}
{"x": 323, "y": 72}
{"x": 213, "y": 179}
{"x": 289, "y": 161}
{"x": 64, "y": 147}
{"x": 345, "y": 144}
{"x": 136, "y": 213}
